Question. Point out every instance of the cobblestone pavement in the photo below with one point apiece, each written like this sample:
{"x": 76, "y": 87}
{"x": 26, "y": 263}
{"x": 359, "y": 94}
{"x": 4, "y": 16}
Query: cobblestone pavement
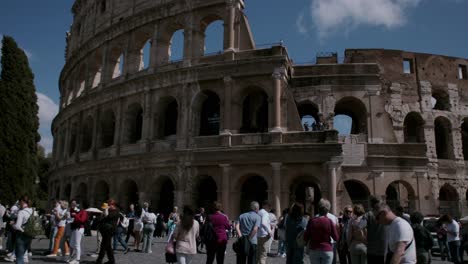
{"x": 157, "y": 257}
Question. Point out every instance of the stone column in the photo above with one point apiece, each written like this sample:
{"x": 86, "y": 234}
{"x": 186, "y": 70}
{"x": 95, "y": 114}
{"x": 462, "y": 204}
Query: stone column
{"x": 229, "y": 28}
{"x": 228, "y": 86}
{"x": 226, "y": 188}
{"x": 105, "y": 71}
{"x": 66, "y": 141}
{"x": 278, "y": 77}
{"x": 146, "y": 135}
{"x": 276, "y": 172}
{"x": 331, "y": 166}
{"x": 154, "y": 50}
{"x": 95, "y": 143}
{"x": 119, "y": 127}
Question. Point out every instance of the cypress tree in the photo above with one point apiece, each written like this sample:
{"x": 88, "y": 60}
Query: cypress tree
{"x": 18, "y": 124}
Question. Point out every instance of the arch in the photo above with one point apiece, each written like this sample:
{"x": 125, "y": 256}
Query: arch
{"x": 400, "y": 193}
{"x": 253, "y": 188}
{"x": 107, "y": 128}
{"x": 81, "y": 81}
{"x": 448, "y": 193}
{"x": 255, "y": 112}
{"x": 82, "y": 195}
{"x": 95, "y": 68}
{"x": 133, "y": 123}
{"x": 67, "y": 192}
{"x": 168, "y": 114}
{"x": 162, "y": 199}
{"x": 305, "y": 189}
{"x": 129, "y": 193}
{"x": 309, "y": 114}
{"x": 73, "y": 137}
{"x": 449, "y": 201}
{"x": 101, "y": 193}
{"x": 116, "y": 61}
{"x": 464, "y": 134}
{"x": 213, "y": 28}
{"x": 205, "y": 192}
{"x": 354, "y": 109}
{"x": 358, "y": 192}
{"x": 414, "y": 128}
{"x": 176, "y": 46}
{"x": 442, "y": 100}
{"x": 145, "y": 55}
{"x": 210, "y": 113}
{"x": 443, "y": 138}
{"x": 87, "y": 134}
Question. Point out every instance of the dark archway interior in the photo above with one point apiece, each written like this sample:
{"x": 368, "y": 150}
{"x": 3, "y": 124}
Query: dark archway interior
{"x": 207, "y": 192}
{"x": 253, "y": 189}
{"x": 442, "y": 101}
{"x": 210, "y": 114}
{"x": 73, "y": 135}
{"x": 357, "y": 192}
{"x": 68, "y": 192}
{"x": 165, "y": 198}
{"x": 82, "y": 195}
{"x": 300, "y": 192}
{"x": 130, "y": 194}
{"x": 255, "y": 113}
{"x": 87, "y": 135}
{"x": 414, "y": 128}
{"x": 448, "y": 193}
{"x": 397, "y": 193}
{"x": 101, "y": 193}
{"x": 442, "y": 130}
{"x": 356, "y": 110}
{"x": 171, "y": 114}
{"x": 134, "y": 123}
{"x": 464, "y": 132}
{"x": 107, "y": 129}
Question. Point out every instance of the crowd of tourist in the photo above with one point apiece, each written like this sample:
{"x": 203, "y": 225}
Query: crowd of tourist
{"x": 380, "y": 235}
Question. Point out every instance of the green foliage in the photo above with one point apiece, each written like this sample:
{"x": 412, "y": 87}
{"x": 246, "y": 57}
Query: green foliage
{"x": 18, "y": 124}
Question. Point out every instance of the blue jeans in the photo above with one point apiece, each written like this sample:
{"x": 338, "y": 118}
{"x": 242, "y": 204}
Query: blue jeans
{"x": 118, "y": 237}
{"x": 148, "y": 231}
{"x": 53, "y": 233}
{"x": 454, "y": 247}
{"x": 281, "y": 247}
{"x": 21, "y": 246}
{"x": 321, "y": 257}
{"x": 444, "y": 249}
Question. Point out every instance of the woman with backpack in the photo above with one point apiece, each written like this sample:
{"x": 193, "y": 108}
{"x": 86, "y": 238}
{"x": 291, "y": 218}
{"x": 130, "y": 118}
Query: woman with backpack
{"x": 214, "y": 234}
{"x": 185, "y": 236}
{"x": 22, "y": 240}
{"x": 357, "y": 236}
{"x": 295, "y": 224}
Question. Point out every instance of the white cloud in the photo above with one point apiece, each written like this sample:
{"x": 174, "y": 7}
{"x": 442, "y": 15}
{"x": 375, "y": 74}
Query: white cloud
{"x": 48, "y": 109}
{"x": 336, "y": 15}
{"x": 300, "y": 24}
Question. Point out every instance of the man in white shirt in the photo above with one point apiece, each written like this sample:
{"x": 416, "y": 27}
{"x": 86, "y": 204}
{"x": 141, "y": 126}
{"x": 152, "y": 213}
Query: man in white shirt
{"x": 401, "y": 247}
{"x": 453, "y": 237}
{"x": 264, "y": 233}
{"x": 22, "y": 241}
{"x": 2, "y": 225}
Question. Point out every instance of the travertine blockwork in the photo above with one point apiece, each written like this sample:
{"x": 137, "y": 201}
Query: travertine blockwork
{"x": 228, "y": 126}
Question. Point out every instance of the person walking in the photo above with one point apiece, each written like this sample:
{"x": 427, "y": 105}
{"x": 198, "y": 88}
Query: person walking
{"x": 185, "y": 236}
{"x": 160, "y": 226}
{"x": 220, "y": 223}
{"x": 53, "y": 226}
{"x": 294, "y": 224}
{"x": 149, "y": 220}
{"x": 423, "y": 238}
{"x": 357, "y": 236}
{"x": 77, "y": 226}
{"x": 400, "y": 238}
{"x": 138, "y": 228}
{"x": 131, "y": 222}
{"x": 247, "y": 227}
{"x": 2, "y": 225}
{"x": 60, "y": 215}
{"x": 264, "y": 233}
{"x": 442, "y": 240}
{"x": 118, "y": 235}
{"x": 200, "y": 218}
{"x": 453, "y": 237}
{"x": 318, "y": 233}
{"x": 282, "y": 234}
{"x": 22, "y": 241}
{"x": 376, "y": 236}
{"x": 342, "y": 245}
{"x": 107, "y": 228}
{"x": 274, "y": 227}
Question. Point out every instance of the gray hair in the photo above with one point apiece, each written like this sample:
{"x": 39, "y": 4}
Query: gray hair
{"x": 324, "y": 206}
{"x": 254, "y": 205}
{"x": 381, "y": 206}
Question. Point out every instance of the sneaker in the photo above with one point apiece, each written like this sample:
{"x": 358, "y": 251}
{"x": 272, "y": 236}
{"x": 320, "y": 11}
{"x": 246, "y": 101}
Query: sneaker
{"x": 284, "y": 255}
{"x": 51, "y": 255}
{"x": 10, "y": 259}
{"x": 25, "y": 259}
{"x": 74, "y": 262}
{"x": 94, "y": 255}
{"x": 29, "y": 254}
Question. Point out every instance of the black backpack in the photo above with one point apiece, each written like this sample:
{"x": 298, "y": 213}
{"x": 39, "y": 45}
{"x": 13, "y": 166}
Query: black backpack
{"x": 208, "y": 233}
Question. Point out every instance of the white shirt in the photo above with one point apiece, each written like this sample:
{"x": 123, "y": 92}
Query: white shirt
{"x": 149, "y": 218}
{"x": 334, "y": 219}
{"x": 455, "y": 228}
{"x": 264, "y": 229}
{"x": 62, "y": 213}
{"x": 2, "y": 213}
{"x": 23, "y": 216}
{"x": 400, "y": 230}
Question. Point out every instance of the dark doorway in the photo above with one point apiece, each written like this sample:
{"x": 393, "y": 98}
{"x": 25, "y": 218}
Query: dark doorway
{"x": 210, "y": 114}
{"x": 253, "y": 189}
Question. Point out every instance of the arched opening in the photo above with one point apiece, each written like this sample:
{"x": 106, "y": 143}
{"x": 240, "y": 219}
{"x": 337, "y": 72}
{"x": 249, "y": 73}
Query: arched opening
{"x": 176, "y": 46}
{"x": 145, "y": 55}
{"x": 73, "y": 137}
{"x": 81, "y": 81}
{"x": 214, "y": 35}
{"x": 253, "y": 189}
{"x": 358, "y": 192}
{"x": 309, "y": 114}
{"x": 443, "y": 138}
{"x": 95, "y": 68}
{"x": 441, "y": 100}
{"x": 82, "y": 195}
{"x": 206, "y": 192}
{"x": 101, "y": 193}
{"x": 210, "y": 114}
{"x": 448, "y": 200}
{"x": 464, "y": 133}
{"x": 255, "y": 112}
{"x": 399, "y": 193}
{"x": 129, "y": 193}
{"x": 87, "y": 134}
{"x": 107, "y": 129}
{"x": 68, "y": 192}
{"x": 306, "y": 191}
{"x": 356, "y": 111}
{"x": 117, "y": 60}
{"x": 414, "y": 128}
{"x": 163, "y": 196}
{"x": 134, "y": 123}
{"x": 168, "y": 114}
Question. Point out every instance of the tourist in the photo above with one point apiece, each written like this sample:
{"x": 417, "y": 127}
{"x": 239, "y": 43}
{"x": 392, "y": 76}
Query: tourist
{"x": 274, "y": 227}
{"x": 264, "y": 233}
{"x": 453, "y": 237}
{"x": 160, "y": 226}
{"x": 220, "y": 224}
{"x": 282, "y": 234}
{"x": 22, "y": 241}
{"x": 11, "y": 215}
{"x": 77, "y": 226}
{"x": 145, "y": 207}
{"x": 423, "y": 238}
{"x": 131, "y": 222}
{"x": 342, "y": 245}
{"x": 376, "y": 236}
{"x": 149, "y": 220}
{"x": 294, "y": 224}
{"x": 2, "y": 225}
{"x": 318, "y": 233}
{"x": 60, "y": 215}
{"x": 138, "y": 228}
{"x": 442, "y": 240}
{"x": 107, "y": 227}
{"x": 248, "y": 226}
{"x": 335, "y": 221}
{"x": 357, "y": 236}
{"x": 53, "y": 226}
{"x": 200, "y": 218}
{"x": 118, "y": 235}
{"x": 172, "y": 221}
{"x": 400, "y": 238}
{"x": 185, "y": 236}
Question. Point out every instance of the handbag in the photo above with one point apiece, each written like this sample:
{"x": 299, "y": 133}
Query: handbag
{"x": 170, "y": 246}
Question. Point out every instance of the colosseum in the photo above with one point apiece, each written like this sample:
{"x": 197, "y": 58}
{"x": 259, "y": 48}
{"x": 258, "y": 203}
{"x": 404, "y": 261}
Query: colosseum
{"x": 230, "y": 127}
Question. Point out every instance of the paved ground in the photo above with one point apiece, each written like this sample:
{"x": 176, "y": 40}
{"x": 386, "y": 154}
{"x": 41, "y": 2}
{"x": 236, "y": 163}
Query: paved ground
{"x": 39, "y": 246}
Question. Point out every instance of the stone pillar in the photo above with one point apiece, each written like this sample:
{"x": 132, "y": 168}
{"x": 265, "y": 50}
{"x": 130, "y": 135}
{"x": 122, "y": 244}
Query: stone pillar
{"x": 79, "y": 136}
{"x": 154, "y": 50}
{"x": 119, "y": 126}
{"x": 226, "y": 188}
{"x": 228, "y": 86}
{"x": 95, "y": 143}
{"x": 188, "y": 42}
{"x": 229, "y": 36}
{"x": 332, "y": 166}
{"x": 278, "y": 77}
{"x": 66, "y": 141}
{"x": 276, "y": 172}
{"x": 179, "y": 198}
{"x": 146, "y": 135}
{"x": 105, "y": 71}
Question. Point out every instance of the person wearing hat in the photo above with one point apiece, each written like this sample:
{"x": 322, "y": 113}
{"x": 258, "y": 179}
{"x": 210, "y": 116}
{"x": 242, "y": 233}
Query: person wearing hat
{"x": 107, "y": 229}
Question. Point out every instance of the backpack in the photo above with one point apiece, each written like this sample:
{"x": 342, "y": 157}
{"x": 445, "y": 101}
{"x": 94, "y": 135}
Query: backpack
{"x": 208, "y": 233}
{"x": 124, "y": 222}
{"x": 33, "y": 227}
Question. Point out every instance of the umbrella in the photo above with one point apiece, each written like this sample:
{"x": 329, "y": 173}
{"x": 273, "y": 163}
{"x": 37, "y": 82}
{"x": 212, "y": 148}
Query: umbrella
{"x": 93, "y": 210}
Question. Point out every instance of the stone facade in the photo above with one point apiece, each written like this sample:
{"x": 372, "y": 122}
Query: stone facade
{"x": 228, "y": 126}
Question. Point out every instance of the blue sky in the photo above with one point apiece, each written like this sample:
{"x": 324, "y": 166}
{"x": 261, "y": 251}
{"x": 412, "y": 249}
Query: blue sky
{"x": 305, "y": 26}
